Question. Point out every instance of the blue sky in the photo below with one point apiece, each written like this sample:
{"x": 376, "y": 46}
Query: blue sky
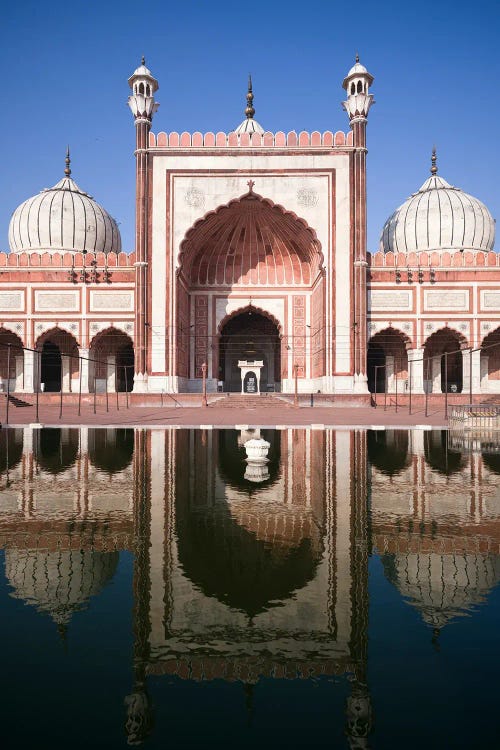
{"x": 65, "y": 67}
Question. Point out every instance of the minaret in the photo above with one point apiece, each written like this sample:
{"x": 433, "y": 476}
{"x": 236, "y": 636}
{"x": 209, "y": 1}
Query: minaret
{"x": 143, "y": 106}
{"x": 359, "y": 100}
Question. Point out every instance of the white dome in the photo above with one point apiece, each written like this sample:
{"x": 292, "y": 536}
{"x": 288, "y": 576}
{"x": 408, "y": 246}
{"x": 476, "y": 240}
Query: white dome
{"x": 63, "y": 218}
{"x": 443, "y": 587}
{"x": 58, "y": 583}
{"x": 249, "y": 125}
{"x": 439, "y": 217}
{"x": 356, "y": 70}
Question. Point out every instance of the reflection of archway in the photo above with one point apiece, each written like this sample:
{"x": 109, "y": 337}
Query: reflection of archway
{"x": 387, "y": 351}
{"x": 388, "y": 450}
{"x": 59, "y": 363}
{"x": 437, "y": 454}
{"x": 111, "y": 450}
{"x": 444, "y": 371}
{"x": 56, "y": 449}
{"x": 251, "y": 560}
{"x": 250, "y": 335}
{"x": 112, "y": 360}
{"x": 11, "y": 448}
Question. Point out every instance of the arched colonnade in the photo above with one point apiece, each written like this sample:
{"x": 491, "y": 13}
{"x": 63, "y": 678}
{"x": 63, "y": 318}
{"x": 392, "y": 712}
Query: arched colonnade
{"x": 57, "y": 362}
{"x": 444, "y": 363}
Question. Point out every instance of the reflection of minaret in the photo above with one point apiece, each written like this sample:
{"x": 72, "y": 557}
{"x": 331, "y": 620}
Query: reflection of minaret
{"x": 139, "y": 709}
{"x": 359, "y": 711}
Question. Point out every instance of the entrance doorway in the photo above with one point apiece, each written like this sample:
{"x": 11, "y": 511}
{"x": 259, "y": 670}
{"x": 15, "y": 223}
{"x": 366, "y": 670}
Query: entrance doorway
{"x": 250, "y": 336}
{"x": 51, "y": 364}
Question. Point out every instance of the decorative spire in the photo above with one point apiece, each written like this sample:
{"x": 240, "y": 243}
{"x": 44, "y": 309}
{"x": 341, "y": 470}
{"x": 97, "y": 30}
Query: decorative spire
{"x": 67, "y": 171}
{"x": 357, "y": 57}
{"x": 143, "y": 60}
{"x": 250, "y": 111}
{"x": 434, "y": 168}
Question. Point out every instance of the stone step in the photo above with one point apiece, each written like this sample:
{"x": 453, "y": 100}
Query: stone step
{"x": 240, "y": 401}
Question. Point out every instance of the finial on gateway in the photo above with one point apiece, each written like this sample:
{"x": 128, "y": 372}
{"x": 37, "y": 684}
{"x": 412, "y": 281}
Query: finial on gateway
{"x": 250, "y": 110}
{"x": 250, "y": 184}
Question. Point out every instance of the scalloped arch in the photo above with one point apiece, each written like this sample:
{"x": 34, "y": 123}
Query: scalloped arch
{"x": 250, "y": 241}
{"x": 44, "y": 336}
{"x": 106, "y": 331}
{"x": 446, "y": 329}
{"x": 247, "y": 308}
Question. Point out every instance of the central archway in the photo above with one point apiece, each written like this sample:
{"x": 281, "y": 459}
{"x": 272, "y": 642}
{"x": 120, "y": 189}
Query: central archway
{"x": 250, "y": 335}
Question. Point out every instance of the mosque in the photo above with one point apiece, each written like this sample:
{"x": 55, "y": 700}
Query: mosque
{"x": 250, "y": 268}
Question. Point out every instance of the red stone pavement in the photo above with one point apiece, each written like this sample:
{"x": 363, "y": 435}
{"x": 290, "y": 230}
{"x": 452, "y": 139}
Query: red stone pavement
{"x": 194, "y": 416}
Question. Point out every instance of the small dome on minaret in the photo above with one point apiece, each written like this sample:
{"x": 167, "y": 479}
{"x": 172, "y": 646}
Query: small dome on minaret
{"x": 249, "y": 125}
{"x": 144, "y": 85}
{"x": 357, "y": 85}
{"x": 63, "y": 218}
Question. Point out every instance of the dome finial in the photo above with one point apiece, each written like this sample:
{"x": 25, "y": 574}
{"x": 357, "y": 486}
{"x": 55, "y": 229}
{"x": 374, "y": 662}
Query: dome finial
{"x": 143, "y": 60}
{"x": 434, "y": 168}
{"x": 357, "y": 57}
{"x": 250, "y": 111}
{"x": 67, "y": 171}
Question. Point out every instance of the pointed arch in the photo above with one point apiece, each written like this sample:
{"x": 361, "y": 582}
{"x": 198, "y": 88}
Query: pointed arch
{"x": 250, "y": 309}
{"x": 250, "y": 240}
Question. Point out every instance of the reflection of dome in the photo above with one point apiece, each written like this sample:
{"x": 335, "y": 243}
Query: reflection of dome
{"x": 58, "y": 583}
{"x": 439, "y": 217}
{"x": 442, "y": 587}
{"x": 63, "y": 218}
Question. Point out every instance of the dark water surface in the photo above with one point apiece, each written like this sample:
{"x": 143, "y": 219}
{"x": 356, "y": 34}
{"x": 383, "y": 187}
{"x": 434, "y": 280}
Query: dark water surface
{"x": 170, "y": 588}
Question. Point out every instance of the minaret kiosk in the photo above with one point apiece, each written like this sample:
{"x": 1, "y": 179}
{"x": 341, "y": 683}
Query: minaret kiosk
{"x": 357, "y": 84}
{"x": 143, "y": 106}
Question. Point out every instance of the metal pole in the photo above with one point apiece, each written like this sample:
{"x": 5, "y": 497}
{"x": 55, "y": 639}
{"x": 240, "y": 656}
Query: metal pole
{"x": 409, "y": 383}
{"x": 106, "y": 386}
{"x": 385, "y": 387}
{"x": 426, "y": 389}
{"x": 37, "y": 389}
{"x": 116, "y": 387}
{"x": 126, "y": 384}
{"x": 446, "y": 385}
{"x": 470, "y": 376}
{"x": 396, "y": 380}
{"x": 204, "y": 384}
{"x": 60, "y": 397}
{"x": 296, "y": 394}
{"x": 80, "y": 385}
{"x": 8, "y": 386}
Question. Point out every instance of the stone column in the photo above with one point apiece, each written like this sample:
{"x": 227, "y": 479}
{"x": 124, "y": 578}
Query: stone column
{"x": 30, "y": 371}
{"x": 416, "y": 370}
{"x": 435, "y": 369}
{"x": 484, "y": 373}
{"x": 389, "y": 374}
{"x": 111, "y": 373}
{"x": 66, "y": 374}
{"x": 476, "y": 371}
{"x": 84, "y": 370}
{"x": 19, "y": 384}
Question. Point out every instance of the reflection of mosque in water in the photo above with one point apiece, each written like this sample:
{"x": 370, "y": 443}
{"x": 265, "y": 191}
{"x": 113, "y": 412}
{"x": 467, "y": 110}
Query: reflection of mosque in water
{"x": 251, "y": 548}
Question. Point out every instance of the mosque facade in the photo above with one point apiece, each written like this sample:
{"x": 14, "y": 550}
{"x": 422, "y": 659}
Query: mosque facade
{"x": 251, "y": 259}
